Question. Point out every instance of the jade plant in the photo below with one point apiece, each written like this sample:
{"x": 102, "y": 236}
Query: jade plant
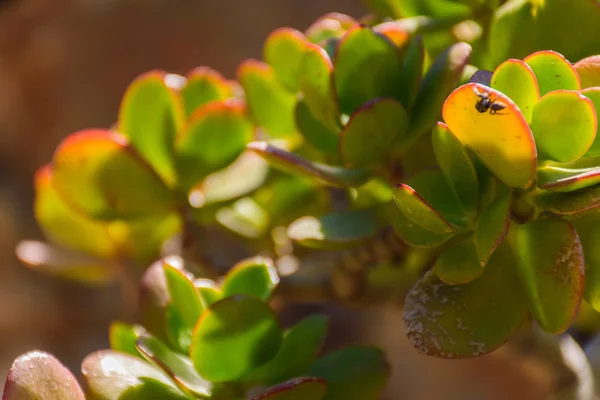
{"x": 356, "y": 156}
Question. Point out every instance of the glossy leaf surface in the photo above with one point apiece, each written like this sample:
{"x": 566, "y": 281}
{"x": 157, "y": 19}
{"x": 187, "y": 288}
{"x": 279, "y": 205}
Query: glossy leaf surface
{"x": 553, "y": 71}
{"x": 204, "y": 85}
{"x": 284, "y": 49}
{"x": 588, "y": 70}
{"x": 459, "y": 264}
{"x": 255, "y": 276}
{"x": 517, "y": 81}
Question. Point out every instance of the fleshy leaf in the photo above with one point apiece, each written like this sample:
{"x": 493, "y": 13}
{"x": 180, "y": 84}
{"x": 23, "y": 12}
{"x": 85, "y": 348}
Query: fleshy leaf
{"x": 94, "y": 171}
{"x": 568, "y": 203}
{"x": 462, "y": 321}
{"x": 299, "y": 348}
{"x": 269, "y": 103}
{"x": 185, "y": 304}
{"x": 111, "y": 375}
{"x": 215, "y": 135}
{"x": 568, "y": 177}
{"x": 150, "y": 116}
{"x": 492, "y": 227}
{"x": 459, "y": 264}
{"x": 255, "y": 276}
{"x": 208, "y": 290}
{"x": 456, "y": 165}
{"x": 441, "y": 78}
{"x": 177, "y": 366}
{"x": 367, "y": 65}
{"x": 65, "y": 263}
{"x": 502, "y": 141}
{"x": 341, "y": 229}
{"x": 122, "y": 337}
{"x": 412, "y": 71}
{"x": 234, "y": 336}
{"x": 314, "y": 131}
{"x": 428, "y": 200}
{"x": 588, "y": 70}
{"x": 564, "y": 125}
{"x": 393, "y": 32}
{"x": 204, "y": 85}
{"x": 516, "y": 80}
{"x": 65, "y": 226}
{"x": 289, "y": 162}
{"x": 371, "y": 130}
{"x": 593, "y": 94}
{"x": 296, "y": 389}
{"x": 284, "y": 49}
{"x": 353, "y": 373}
{"x": 317, "y": 87}
{"x": 332, "y": 25}
{"x": 414, "y": 234}
{"x": 553, "y": 71}
{"x": 37, "y": 375}
{"x": 587, "y": 225}
{"x": 245, "y": 217}
{"x": 551, "y": 265}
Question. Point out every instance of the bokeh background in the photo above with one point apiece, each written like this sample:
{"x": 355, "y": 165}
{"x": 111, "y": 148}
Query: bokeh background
{"x": 64, "y": 65}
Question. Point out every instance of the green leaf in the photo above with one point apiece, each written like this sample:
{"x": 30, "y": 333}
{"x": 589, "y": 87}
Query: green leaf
{"x": 367, "y": 65}
{"x": 234, "y": 336}
{"x": 269, "y": 103}
{"x": 459, "y": 263}
{"x": 569, "y": 177}
{"x": 110, "y": 375}
{"x": 208, "y": 290}
{"x": 255, "y": 276}
{"x": 371, "y": 130}
{"x": 588, "y": 70}
{"x": 292, "y": 163}
{"x": 284, "y": 50}
{"x": 503, "y": 142}
{"x": 176, "y": 366}
{"x": 185, "y": 306}
{"x": 553, "y": 71}
{"x": 318, "y": 88}
{"x": 215, "y": 135}
{"x": 37, "y": 375}
{"x": 568, "y": 203}
{"x": 314, "y": 131}
{"x": 457, "y": 166}
{"x": 154, "y": 297}
{"x": 150, "y": 116}
{"x": 564, "y": 125}
{"x": 94, "y": 171}
{"x": 412, "y": 71}
{"x": 593, "y": 94}
{"x": 331, "y": 25}
{"x": 296, "y": 389}
{"x": 551, "y": 265}
{"x": 245, "y": 217}
{"x": 462, "y": 321}
{"x": 492, "y": 227}
{"x": 393, "y": 32}
{"x": 439, "y": 81}
{"x": 65, "y": 263}
{"x": 204, "y": 85}
{"x": 414, "y": 234}
{"x": 299, "y": 348}
{"x": 353, "y": 373}
{"x": 122, "y": 337}
{"x": 63, "y": 225}
{"x": 587, "y": 225}
{"x": 516, "y": 79}
{"x": 338, "y": 230}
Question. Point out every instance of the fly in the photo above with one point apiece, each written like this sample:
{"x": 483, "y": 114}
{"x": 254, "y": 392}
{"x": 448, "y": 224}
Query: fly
{"x": 485, "y": 103}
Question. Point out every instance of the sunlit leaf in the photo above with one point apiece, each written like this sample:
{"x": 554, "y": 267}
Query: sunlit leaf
{"x": 517, "y": 81}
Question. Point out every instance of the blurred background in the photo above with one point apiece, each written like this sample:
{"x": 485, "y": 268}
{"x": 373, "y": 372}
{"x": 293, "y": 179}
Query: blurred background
{"x": 64, "y": 65}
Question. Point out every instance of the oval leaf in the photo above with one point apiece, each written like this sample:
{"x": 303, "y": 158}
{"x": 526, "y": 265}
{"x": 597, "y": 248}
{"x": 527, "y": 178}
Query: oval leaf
{"x": 492, "y": 227}
{"x": 553, "y": 71}
{"x": 587, "y": 225}
{"x": 459, "y": 264}
{"x": 371, "y": 130}
{"x": 502, "y": 141}
{"x": 568, "y": 177}
{"x": 122, "y": 337}
{"x": 255, "y": 276}
{"x": 550, "y": 261}
{"x": 516, "y": 80}
{"x": 94, "y": 171}
{"x": 150, "y": 116}
{"x": 215, "y": 135}
{"x": 314, "y": 131}
{"x": 469, "y": 320}
{"x": 204, "y": 85}
{"x": 234, "y": 336}
{"x": 413, "y": 234}
{"x": 284, "y": 49}
{"x": 588, "y": 70}
{"x": 37, "y": 375}
{"x": 593, "y": 94}
{"x": 331, "y": 25}
{"x": 564, "y": 125}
